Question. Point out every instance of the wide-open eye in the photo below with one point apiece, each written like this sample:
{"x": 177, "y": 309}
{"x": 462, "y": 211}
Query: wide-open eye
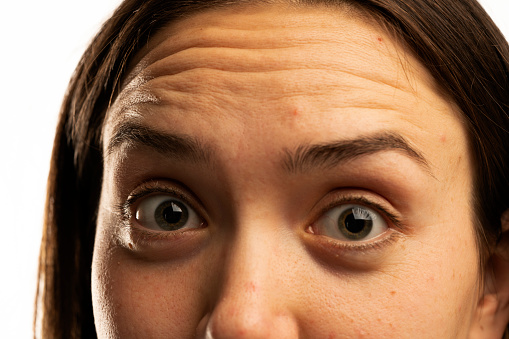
{"x": 166, "y": 213}
{"x": 350, "y": 222}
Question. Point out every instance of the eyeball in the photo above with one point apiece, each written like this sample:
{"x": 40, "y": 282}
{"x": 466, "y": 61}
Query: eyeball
{"x": 166, "y": 213}
{"x": 351, "y": 223}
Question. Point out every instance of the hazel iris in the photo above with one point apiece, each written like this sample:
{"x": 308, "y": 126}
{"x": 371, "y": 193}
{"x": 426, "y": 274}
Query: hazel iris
{"x": 171, "y": 215}
{"x": 355, "y": 223}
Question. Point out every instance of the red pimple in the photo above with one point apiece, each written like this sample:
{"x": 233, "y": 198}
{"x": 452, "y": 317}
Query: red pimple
{"x": 379, "y": 39}
{"x": 251, "y": 287}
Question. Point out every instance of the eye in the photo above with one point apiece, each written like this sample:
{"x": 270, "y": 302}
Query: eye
{"x": 166, "y": 213}
{"x": 350, "y": 223}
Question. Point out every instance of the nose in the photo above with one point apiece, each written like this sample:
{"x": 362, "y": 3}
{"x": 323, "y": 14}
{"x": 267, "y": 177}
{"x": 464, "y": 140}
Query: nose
{"x": 251, "y": 301}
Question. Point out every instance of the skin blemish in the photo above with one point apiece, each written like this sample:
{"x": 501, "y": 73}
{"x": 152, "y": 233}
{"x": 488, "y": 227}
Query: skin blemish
{"x": 130, "y": 246}
{"x": 443, "y": 138}
{"x": 380, "y": 39}
{"x": 251, "y": 287}
{"x": 362, "y": 334}
{"x": 393, "y": 292}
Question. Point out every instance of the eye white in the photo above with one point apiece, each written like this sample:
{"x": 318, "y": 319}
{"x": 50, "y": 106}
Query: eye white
{"x": 166, "y": 213}
{"x": 351, "y": 222}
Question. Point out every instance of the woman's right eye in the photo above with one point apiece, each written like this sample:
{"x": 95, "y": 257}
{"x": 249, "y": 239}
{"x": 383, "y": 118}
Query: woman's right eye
{"x": 163, "y": 212}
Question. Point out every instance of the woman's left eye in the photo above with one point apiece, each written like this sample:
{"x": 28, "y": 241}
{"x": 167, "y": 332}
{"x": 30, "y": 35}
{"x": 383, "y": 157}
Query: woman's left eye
{"x": 350, "y": 222}
{"x": 166, "y": 213}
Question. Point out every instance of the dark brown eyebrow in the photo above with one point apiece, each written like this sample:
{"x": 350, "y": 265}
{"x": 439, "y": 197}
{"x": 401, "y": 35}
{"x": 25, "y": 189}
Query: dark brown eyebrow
{"x": 178, "y": 146}
{"x": 303, "y": 159}
{"x": 328, "y": 155}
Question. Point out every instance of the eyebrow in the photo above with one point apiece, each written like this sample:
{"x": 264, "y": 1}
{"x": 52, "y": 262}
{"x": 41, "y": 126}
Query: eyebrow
{"x": 303, "y": 159}
{"x": 328, "y": 155}
{"x": 177, "y": 146}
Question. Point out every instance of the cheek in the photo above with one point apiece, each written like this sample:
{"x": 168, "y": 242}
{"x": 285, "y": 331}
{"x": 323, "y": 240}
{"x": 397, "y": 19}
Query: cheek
{"x": 133, "y": 297}
{"x": 139, "y": 297}
{"x": 439, "y": 285}
{"x": 429, "y": 286}
{"x": 388, "y": 306}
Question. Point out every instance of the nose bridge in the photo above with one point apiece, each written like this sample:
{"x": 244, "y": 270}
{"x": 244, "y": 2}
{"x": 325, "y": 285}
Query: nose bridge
{"x": 248, "y": 303}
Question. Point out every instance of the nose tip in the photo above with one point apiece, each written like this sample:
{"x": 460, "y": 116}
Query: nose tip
{"x": 250, "y": 319}
{"x": 249, "y": 298}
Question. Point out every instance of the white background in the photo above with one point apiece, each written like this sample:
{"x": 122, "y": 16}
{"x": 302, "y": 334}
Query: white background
{"x": 41, "y": 42}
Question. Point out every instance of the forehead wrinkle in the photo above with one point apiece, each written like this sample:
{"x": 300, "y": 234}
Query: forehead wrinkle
{"x": 170, "y": 41}
{"x": 189, "y": 92}
{"x": 202, "y": 30}
{"x": 171, "y": 87}
{"x": 269, "y": 62}
{"x": 210, "y": 85}
{"x": 171, "y": 81}
{"x": 194, "y": 34}
{"x": 255, "y": 60}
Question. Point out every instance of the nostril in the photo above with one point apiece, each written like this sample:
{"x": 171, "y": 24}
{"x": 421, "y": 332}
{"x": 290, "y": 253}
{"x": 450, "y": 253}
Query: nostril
{"x": 247, "y": 320}
{"x": 235, "y": 326}
{"x": 201, "y": 330}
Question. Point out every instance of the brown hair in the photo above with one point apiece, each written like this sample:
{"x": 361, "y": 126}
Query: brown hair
{"x": 454, "y": 39}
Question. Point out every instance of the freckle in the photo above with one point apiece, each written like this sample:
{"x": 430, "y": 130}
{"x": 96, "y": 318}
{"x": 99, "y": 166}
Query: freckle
{"x": 393, "y": 292}
{"x": 251, "y": 287}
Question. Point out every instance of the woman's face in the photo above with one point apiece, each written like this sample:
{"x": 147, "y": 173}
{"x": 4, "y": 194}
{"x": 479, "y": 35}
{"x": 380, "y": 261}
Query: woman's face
{"x": 282, "y": 173}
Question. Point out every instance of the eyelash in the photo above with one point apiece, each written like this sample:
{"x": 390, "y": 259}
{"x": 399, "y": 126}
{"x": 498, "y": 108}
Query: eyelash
{"x": 394, "y": 222}
{"x": 126, "y": 209}
{"x": 361, "y": 200}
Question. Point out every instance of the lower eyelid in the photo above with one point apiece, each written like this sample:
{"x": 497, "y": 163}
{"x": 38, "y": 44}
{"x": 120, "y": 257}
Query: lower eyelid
{"x": 357, "y": 256}
{"x": 162, "y": 246}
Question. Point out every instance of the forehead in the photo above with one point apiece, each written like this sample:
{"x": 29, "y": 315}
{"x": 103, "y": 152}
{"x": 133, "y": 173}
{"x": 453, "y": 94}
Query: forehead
{"x": 256, "y": 70}
{"x": 274, "y": 48}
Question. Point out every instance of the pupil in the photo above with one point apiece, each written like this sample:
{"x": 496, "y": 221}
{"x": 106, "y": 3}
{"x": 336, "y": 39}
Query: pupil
{"x": 172, "y": 214}
{"x": 354, "y": 225}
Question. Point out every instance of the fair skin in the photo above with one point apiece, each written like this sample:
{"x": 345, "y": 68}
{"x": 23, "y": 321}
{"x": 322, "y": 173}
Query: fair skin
{"x": 212, "y": 118}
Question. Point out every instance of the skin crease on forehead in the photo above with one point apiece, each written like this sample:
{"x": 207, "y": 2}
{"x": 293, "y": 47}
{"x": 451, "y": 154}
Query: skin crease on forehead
{"x": 252, "y": 85}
